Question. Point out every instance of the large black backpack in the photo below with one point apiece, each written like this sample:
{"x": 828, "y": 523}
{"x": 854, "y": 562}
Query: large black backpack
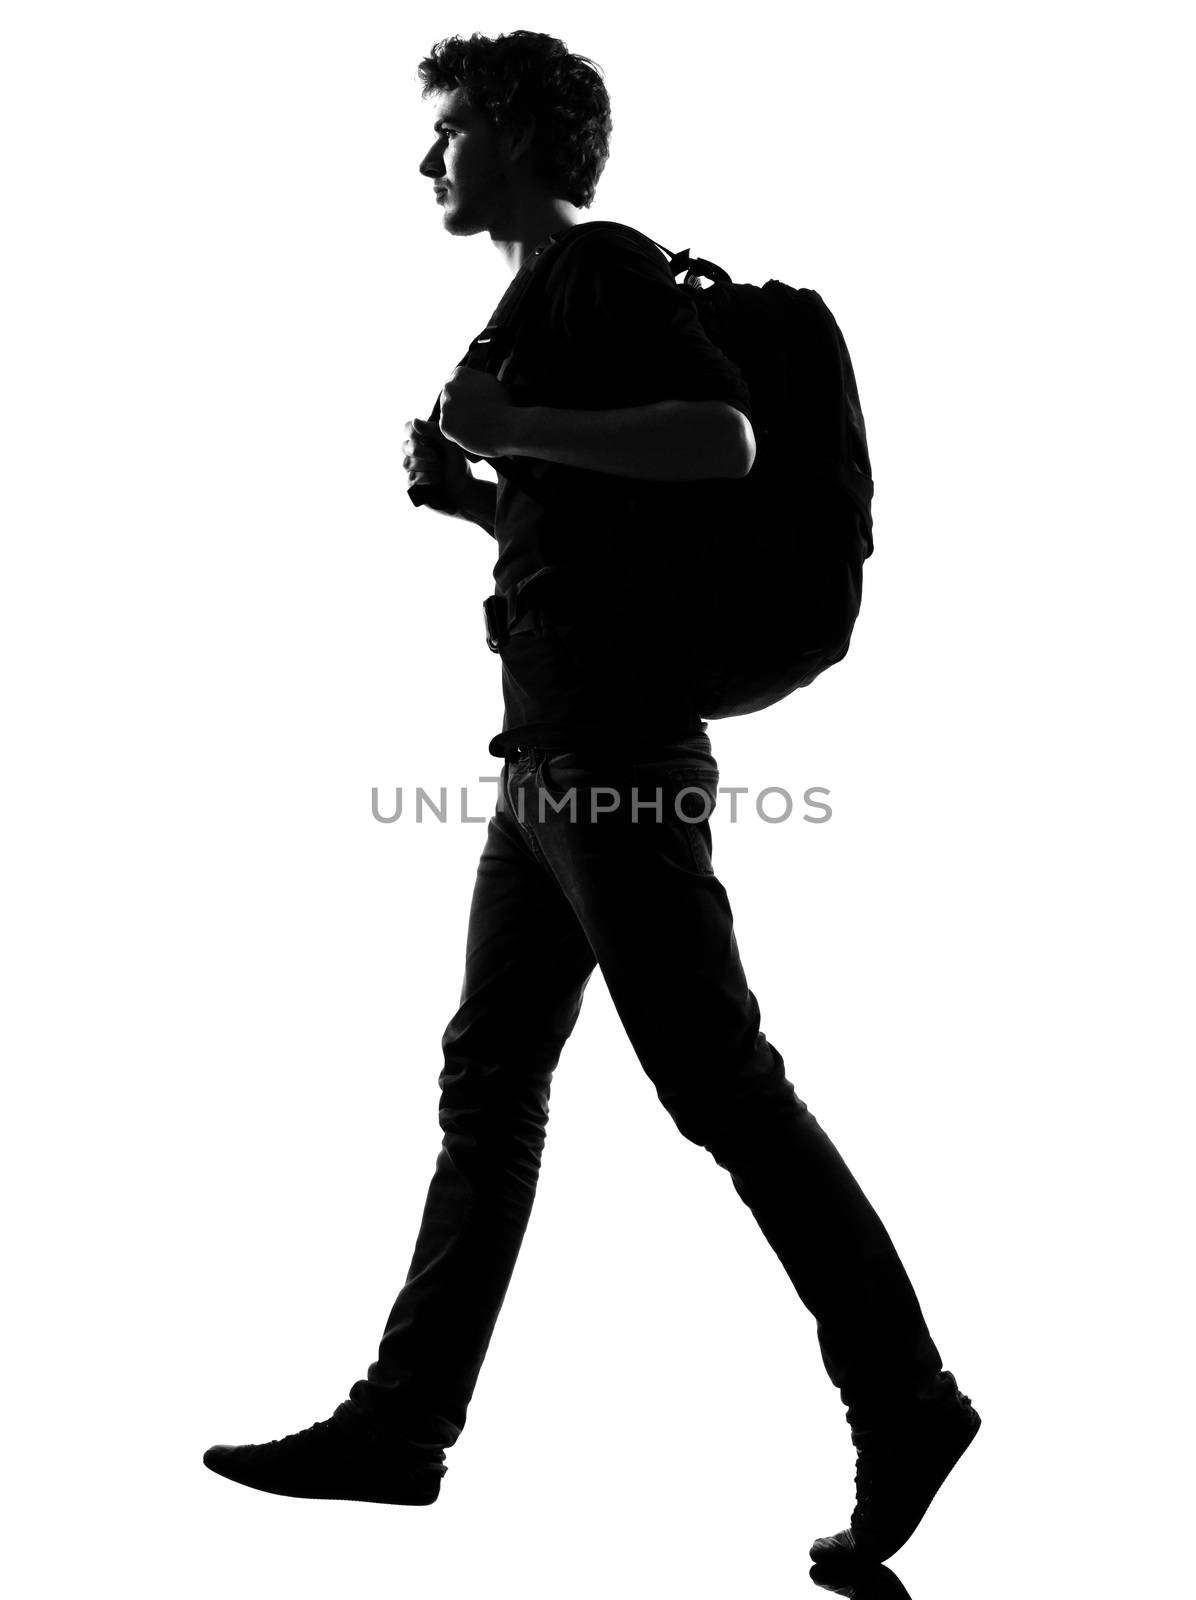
{"x": 781, "y": 551}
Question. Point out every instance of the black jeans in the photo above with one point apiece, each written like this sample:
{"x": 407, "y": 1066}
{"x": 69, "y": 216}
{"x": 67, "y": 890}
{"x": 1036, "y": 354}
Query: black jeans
{"x": 621, "y": 877}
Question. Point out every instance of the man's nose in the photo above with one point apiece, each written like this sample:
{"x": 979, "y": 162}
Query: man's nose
{"x": 431, "y": 166}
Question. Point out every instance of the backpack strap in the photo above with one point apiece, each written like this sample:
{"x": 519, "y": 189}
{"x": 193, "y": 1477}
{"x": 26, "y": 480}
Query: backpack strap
{"x": 695, "y": 267}
{"x": 501, "y": 333}
{"x": 492, "y": 349}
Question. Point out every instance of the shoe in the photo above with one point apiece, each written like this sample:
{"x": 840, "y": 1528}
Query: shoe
{"x": 900, "y": 1467}
{"x": 341, "y": 1458}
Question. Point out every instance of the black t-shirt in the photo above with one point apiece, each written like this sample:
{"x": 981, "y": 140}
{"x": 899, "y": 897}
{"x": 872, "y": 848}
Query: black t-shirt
{"x": 610, "y": 328}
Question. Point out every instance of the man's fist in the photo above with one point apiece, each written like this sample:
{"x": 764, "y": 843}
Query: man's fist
{"x": 477, "y": 413}
{"x": 433, "y": 460}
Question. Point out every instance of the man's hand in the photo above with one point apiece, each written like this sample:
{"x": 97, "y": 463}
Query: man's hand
{"x": 431, "y": 460}
{"x": 477, "y": 413}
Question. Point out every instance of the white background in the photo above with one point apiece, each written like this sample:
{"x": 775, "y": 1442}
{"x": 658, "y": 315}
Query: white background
{"x": 223, "y": 623}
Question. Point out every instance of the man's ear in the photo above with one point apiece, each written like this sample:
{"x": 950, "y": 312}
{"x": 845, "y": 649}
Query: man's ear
{"x": 519, "y": 138}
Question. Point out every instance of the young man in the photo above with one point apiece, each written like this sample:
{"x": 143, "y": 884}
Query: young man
{"x": 627, "y": 420}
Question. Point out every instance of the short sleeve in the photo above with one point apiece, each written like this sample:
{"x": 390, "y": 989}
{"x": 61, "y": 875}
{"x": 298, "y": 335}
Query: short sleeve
{"x": 624, "y": 319}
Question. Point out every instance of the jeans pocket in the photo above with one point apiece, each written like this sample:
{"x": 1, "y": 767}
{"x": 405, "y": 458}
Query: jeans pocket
{"x": 693, "y": 797}
{"x": 563, "y": 770}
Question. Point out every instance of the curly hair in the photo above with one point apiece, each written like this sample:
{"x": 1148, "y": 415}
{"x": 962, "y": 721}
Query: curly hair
{"x": 524, "y": 75}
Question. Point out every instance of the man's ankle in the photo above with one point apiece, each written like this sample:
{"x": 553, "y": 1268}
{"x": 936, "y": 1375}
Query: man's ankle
{"x": 381, "y": 1431}
{"x": 921, "y": 1398}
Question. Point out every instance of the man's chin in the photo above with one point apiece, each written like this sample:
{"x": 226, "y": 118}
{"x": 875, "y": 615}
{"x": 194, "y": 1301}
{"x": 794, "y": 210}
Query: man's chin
{"x": 463, "y": 227}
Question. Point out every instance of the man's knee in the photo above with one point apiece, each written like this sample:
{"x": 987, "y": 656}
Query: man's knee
{"x": 722, "y": 1112}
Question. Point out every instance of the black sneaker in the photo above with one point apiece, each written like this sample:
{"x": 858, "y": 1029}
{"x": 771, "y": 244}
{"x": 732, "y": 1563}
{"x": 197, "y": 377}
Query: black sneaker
{"x": 341, "y": 1458}
{"x": 900, "y": 1467}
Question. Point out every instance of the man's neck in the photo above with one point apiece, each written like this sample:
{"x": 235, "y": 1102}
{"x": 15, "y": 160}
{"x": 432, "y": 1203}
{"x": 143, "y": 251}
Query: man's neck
{"x": 520, "y": 236}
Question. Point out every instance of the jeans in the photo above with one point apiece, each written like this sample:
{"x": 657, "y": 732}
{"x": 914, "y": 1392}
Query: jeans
{"x": 621, "y": 877}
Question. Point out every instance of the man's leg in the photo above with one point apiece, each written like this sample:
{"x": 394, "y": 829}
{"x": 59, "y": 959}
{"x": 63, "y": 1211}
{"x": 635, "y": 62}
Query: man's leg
{"x": 660, "y": 924}
{"x": 661, "y": 927}
{"x": 526, "y": 968}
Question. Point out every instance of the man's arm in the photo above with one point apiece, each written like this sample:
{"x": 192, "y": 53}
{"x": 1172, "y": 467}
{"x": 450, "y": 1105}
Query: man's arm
{"x": 478, "y": 502}
{"x": 638, "y": 442}
{"x": 672, "y": 441}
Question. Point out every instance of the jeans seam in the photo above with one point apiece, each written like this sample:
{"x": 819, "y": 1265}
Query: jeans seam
{"x": 517, "y": 812}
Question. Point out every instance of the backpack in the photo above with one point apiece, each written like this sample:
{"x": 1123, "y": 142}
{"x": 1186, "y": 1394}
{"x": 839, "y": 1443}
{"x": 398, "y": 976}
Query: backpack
{"x": 779, "y": 575}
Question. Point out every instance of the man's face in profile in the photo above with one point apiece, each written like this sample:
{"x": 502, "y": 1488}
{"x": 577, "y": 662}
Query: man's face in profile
{"x": 468, "y": 162}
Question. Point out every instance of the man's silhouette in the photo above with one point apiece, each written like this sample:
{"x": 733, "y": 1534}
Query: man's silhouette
{"x": 597, "y": 855}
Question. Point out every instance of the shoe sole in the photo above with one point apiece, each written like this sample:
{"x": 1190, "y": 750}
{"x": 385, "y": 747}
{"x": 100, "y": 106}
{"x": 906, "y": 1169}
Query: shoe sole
{"x": 415, "y": 1490}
